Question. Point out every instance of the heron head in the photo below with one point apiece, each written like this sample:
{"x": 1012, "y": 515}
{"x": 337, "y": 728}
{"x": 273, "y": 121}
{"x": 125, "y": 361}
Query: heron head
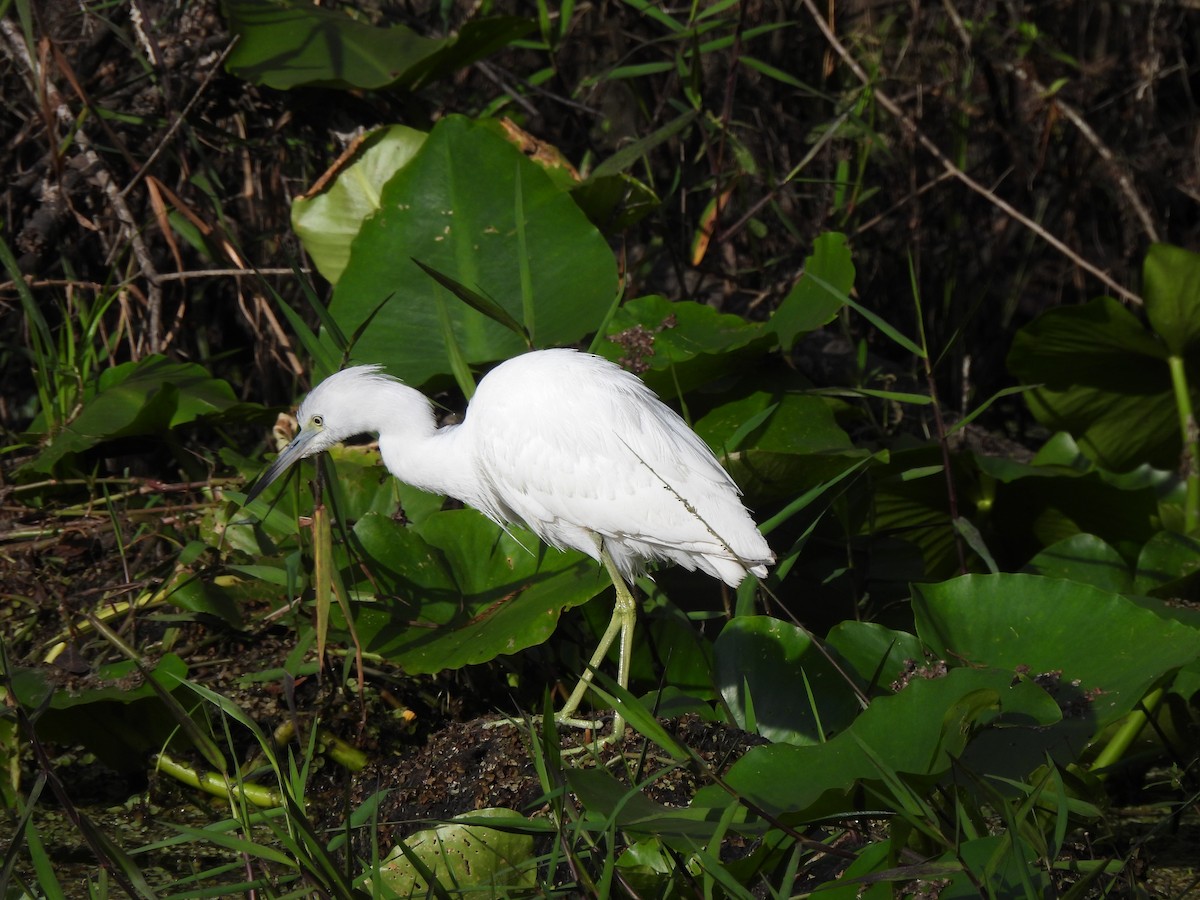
{"x": 341, "y": 406}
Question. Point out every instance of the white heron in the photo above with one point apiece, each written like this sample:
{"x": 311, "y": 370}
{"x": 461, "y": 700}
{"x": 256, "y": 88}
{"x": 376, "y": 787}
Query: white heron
{"x": 570, "y": 445}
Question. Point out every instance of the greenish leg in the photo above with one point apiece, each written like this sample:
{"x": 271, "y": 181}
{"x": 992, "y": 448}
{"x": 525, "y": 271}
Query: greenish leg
{"x": 623, "y": 620}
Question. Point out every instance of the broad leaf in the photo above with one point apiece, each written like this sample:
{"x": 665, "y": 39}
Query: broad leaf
{"x": 1105, "y": 650}
{"x": 776, "y": 446}
{"x": 465, "y": 591}
{"x": 874, "y": 655}
{"x": 755, "y": 656}
{"x": 1062, "y": 492}
{"x": 811, "y": 303}
{"x": 1171, "y": 285}
{"x": 328, "y": 218}
{"x": 793, "y": 423}
{"x": 119, "y": 717}
{"x": 1104, "y": 379}
{"x": 472, "y": 207}
{"x": 465, "y": 854}
{"x": 919, "y": 732}
{"x": 678, "y": 345}
{"x": 289, "y": 43}
{"x": 1167, "y": 565}
{"x": 147, "y": 397}
{"x": 1084, "y": 558}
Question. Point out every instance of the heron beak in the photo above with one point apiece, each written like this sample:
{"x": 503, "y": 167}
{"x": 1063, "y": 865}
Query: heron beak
{"x": 294, "y": 451}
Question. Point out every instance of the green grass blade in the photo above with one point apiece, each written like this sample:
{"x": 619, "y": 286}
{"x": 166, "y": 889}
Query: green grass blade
{"x": 481, "y": 303}
{"x": 527, "y": 307}
{"x": 871, "y": 317}
{"x": 236, "y": 843}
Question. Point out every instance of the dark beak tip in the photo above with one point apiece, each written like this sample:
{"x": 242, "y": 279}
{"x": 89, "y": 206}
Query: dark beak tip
{"x": 290, "y": 454}
{"x": 253, "y": 491}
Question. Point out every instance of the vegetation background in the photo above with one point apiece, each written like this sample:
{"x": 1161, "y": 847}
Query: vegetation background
{"x": 860, "y": 244}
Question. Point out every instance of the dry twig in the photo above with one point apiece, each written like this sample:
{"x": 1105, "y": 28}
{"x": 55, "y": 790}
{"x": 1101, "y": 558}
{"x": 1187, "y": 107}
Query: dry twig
{"x": 1008, "y": 209}
{"x": 96, "y": 172}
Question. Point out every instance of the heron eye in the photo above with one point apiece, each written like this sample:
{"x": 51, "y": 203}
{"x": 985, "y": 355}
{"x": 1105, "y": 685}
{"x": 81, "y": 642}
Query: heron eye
{"x": 318, "y": 420}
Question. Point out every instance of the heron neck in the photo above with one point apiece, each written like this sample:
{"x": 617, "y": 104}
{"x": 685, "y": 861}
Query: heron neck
{"x": 419, "y": 453}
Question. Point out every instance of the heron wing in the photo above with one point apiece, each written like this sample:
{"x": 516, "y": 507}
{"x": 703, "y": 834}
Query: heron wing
{"x": 573, "y": 446}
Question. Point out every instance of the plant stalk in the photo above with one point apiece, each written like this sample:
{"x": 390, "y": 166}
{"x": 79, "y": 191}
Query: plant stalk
{"x": 1190, "y": 435}
{"x": 1130, "y": 728}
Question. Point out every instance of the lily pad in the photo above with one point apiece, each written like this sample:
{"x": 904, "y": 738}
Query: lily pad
{"x": 775, "y": 681}
{"x": 1107, "y": 649}
{"x": 1084, "y": 558}
{"x": 919, "y": 732}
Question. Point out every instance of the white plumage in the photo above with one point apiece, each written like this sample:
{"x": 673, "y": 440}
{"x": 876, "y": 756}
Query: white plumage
{"x": 568, "y": 444}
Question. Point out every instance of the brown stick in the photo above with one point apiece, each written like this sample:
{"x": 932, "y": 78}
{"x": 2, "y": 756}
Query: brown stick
{"x": 1008, "y": 209}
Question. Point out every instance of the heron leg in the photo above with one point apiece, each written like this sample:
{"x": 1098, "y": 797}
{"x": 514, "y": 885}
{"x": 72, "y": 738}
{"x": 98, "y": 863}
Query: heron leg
{"x": 623, "y": 621}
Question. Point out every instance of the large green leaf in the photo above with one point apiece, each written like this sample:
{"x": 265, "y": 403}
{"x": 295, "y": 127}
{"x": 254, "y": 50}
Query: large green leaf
{"x": 147, "y": 397}
{"x": 1037, "y": 667}
{"x": 1168, "y": 565}
{"x": 1104, "y": 650}
{"x": 920, "y": 731}
{"x": 1104, "y": 378}
{"x": 778, "y": 445}
{"x": 1061, "y": 493}
{"x": 1171, "y": 285}
{"x": 471, "y": 206}
{"x": 466, "y": 591}
{"x": 288, "y": 43}
{"x": 679, "y": 345}
{"x": 792, "y": 423}
{"x": 755, "y": 656}
{"x": 871, "y": 653}
{"x": 118, "y": 715}
{"x": 328, "y": 221}
{"x": 814, "y": 301}
{"x": 1085, "y": 558}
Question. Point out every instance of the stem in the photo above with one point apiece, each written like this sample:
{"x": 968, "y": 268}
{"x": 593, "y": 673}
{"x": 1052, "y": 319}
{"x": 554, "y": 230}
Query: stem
{"x": 216, "y": 784}
{"x": 939, "y": 423}
{"x": 1190, "y": 435}
{"x": 1128, "y": 732}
